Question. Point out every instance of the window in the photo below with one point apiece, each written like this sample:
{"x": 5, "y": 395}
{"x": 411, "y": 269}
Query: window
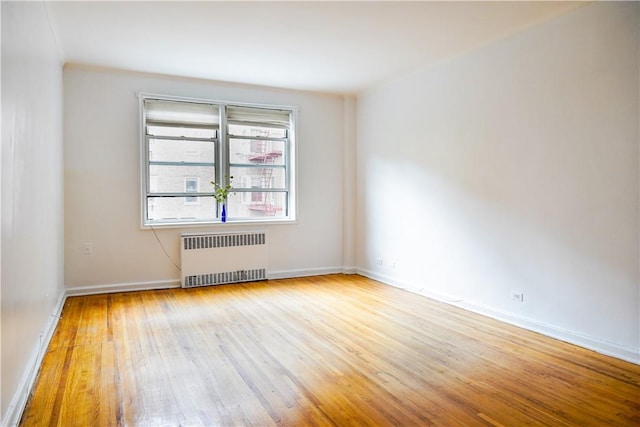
{"x": 186, "y": 144}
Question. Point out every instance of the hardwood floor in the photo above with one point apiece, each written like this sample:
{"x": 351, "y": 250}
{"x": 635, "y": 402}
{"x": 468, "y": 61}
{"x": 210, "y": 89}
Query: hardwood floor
{"x": 329, "y": 350}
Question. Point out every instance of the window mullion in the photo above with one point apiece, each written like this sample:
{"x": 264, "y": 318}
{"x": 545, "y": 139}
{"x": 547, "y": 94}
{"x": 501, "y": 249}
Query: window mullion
{"x": 223, "y": 151}
{"x": 180, "y": 138}
{"x": 179, "y": 163}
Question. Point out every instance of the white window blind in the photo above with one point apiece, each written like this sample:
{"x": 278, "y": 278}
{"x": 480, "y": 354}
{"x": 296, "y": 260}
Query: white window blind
{"x": 181, "y": 113}
{"x": 259, "y": 116}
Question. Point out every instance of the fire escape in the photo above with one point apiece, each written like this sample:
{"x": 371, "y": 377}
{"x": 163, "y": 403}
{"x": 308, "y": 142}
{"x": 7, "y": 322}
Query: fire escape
{"x": 262, "y": 153}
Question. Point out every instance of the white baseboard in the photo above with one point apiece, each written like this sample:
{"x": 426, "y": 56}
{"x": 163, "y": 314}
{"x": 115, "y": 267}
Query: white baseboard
{"x": 349, "y": 270}
{"x": 289, "y": 274}
{"x": 28, "y": 380}
{"x": 175, "y": 283}
{"x": 586, "y": 341}
{"x": 122, "y": 287}
{"x": 572, "y": 337}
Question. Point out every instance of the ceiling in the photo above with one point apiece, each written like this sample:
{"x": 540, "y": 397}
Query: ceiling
{"x": 332, "y": 46}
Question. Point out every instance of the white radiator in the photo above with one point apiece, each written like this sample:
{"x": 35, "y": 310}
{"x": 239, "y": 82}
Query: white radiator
{"x": 217, "y": 258}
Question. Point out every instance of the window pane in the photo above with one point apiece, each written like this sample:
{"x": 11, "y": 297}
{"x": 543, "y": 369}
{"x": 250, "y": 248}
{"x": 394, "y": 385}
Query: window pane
{"x": 256, "y": 152}
{"x": 180, "y": 208}
{"x": 250, "y": 177}
{"x": 168, "y": 150}
{"x": 187, "y": 132}
{"x": 257, "y": 204}
{"x": 171, "y": 179}
{"x": 256, "y": 130}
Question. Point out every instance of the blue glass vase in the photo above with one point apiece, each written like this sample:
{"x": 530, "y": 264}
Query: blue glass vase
{"x": 223, "y": 216}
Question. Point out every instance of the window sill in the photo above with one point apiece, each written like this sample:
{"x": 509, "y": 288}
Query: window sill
{"x": 218, "y": 224}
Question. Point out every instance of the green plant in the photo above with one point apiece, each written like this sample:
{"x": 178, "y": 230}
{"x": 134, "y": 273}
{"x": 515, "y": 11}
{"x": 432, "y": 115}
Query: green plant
{"x": 220, "y": 192}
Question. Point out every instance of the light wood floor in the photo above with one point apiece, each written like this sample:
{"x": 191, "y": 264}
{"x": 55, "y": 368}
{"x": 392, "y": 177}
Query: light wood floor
{"x": 330, "y": 350}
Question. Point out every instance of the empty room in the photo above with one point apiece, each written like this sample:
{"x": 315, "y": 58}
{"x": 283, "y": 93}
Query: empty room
{"x": 320, "y": 213}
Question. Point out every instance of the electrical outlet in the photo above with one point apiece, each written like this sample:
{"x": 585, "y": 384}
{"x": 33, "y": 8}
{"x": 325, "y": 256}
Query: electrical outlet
{"x": 517, "y": 296}
{"x": 379, "y": 261}
{"x": 87, "y": 248}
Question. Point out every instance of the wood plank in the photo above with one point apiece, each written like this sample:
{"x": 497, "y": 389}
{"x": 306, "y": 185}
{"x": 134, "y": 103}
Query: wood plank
{"x": 317, "y": 351}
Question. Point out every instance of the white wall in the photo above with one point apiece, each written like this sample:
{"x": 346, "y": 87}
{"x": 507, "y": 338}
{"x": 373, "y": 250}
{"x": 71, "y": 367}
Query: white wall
{"x": 349, "y": 184}
{"x": 515, "y": 167}
{"x": 102, "y": 200}
{"x": 32, "y": 218}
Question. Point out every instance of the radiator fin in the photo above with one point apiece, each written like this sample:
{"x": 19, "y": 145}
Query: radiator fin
{"x": 226, "y": 277}
{"x": 223, "y": 240}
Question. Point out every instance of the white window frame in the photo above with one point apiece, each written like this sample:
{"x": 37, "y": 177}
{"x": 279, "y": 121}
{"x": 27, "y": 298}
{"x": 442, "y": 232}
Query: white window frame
{"x": 222, "y": 166}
